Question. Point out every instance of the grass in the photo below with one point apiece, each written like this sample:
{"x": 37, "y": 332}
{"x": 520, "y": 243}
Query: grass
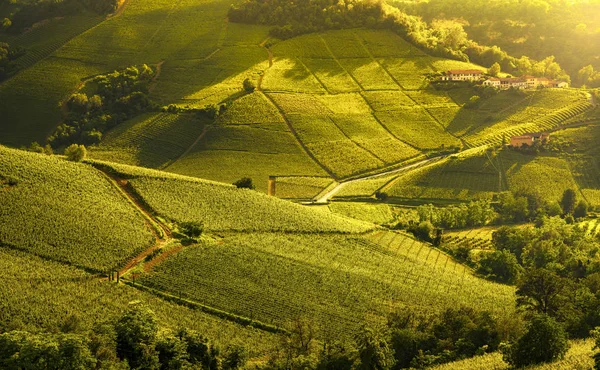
{"x": 337, "y": 281}
{"x": 225, "y": 208}
{"x": 578, "y": 357}
{"x": 39, "y": 296}
{"x": 67, "y": 212}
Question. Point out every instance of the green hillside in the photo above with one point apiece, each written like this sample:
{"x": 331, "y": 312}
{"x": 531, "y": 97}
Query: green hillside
{"x": 67, "y": 212}
{"x": 331, "y": 269}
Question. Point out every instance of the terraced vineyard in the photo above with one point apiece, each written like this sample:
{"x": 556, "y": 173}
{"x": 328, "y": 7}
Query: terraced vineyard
{"x": 480, "y": 239}
{"x": 335, "y": 280}
{"x": 67, "y": 212}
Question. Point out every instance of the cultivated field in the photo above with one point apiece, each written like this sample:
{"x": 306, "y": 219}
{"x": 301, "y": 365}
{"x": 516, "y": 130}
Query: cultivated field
{"x": 67, "y": 212}
{"x": 338, "y": 282}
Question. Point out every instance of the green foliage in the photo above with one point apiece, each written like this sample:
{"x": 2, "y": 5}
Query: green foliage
{"x": 75, "y": 153}
{"x": 501, "y": 266}
{"x": 137, "y": 333}
{"x": 581, "y": 209}
{"x": 192, "y": 229}
{"x": 235, "y": 357}
{"x": 23, "y": 350}
{"x": 494, "y": 70}
{"x": 116, "y": 97}
{"x": 544, "y": 341}
{"x": 249, "y": 86}
{"x": 374, "y": 352}
{"x": 7, "y": 57}
{"x": 568, "y": 201}
{"x": 479, "y": 213}
{"x": 244, "y": 183}
{"x": 449, "y": 335}
{"x": 542, "y": 291}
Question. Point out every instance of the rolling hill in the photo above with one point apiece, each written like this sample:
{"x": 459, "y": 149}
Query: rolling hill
{"x": 336, "y": 271}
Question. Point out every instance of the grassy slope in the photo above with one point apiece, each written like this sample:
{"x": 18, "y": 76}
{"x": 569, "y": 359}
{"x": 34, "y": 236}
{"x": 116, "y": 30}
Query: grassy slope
{"x": 67, "y": 212}
{"x": 358, "y": 100}
{"x": 225, "y": 208}
{"x": 338, "y": 282}
{"x": 578, "y": 357}
{"x": 39, "y": 295}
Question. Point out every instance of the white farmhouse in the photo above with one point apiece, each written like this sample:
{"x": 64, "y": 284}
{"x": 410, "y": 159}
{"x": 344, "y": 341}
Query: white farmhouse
{"x": 462, "y": 75}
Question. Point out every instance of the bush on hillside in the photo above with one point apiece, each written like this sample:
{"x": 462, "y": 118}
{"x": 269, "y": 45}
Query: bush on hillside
{"x": 501, "y": 266}
{"x": 75, "y": 153}
{"x": 545, "y": 341}
{"x": 245, "y": 183}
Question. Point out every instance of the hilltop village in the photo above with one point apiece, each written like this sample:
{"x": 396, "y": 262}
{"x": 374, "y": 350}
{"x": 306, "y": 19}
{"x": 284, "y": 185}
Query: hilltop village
{"x": 523, "y": 82}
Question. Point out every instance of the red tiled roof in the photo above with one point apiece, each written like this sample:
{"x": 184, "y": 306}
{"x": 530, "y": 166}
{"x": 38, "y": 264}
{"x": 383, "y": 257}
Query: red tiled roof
{"x": 464, "y": 71}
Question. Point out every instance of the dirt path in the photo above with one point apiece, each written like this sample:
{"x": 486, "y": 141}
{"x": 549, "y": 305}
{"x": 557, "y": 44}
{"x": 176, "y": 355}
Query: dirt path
{"x": 325, "y": 198}
{"x": 156, "y": 75}
{"x": 188, "y": 150}
{"x": 162, "y": 234}
{"x": 120, "y": 9}
{"x": 270, "y": 56}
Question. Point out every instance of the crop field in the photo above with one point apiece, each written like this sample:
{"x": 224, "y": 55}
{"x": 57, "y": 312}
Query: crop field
{"x": 410, "y": 73}
{"x": 552, "y": 175}
{"x": 385, "y": 44}
{"x": 40, "y": 42}
{"x": 334, "y": 280}
{"x": 39, "y": 295}
{"x": 291, "y": 75}
{"x": 150, "y": 140}
{"x": 370, "y": 212}
{"x": 333, "y": 77}
{"x": 454, "y": 179}
{"x": 67, "y": 212}
{"x": 369, "y": 74}
{"x": 417, "y": 128}
{"x": 579, "y": 356}
{"x": 479, "y": 238}
{"x": 183, "y": 200}
{"x": 301, "y": 187}
{"x": 365, "y": 188}
{"x": 251, "y": 109}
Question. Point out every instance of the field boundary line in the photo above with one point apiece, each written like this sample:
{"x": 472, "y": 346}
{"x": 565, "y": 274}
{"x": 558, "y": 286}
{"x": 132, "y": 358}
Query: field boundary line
{"x": 315, "y": 76}
{"x": 241, "y": 320}
{"x": 356, "y": 143}
{"x": 295, "y": 133}
{"x": 360, "y": 41}
{"x": 340, "y": 64}
{"x": 189, "y": 149}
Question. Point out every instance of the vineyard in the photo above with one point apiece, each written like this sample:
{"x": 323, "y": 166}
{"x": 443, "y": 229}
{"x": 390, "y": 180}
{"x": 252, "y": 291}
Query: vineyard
{"x": 39, "y": 295}
{"x": 337, "y": 281}
{"x": 70, "y": 213}
{"x": 150, "y": 140}
{"x": 222, "y": 208}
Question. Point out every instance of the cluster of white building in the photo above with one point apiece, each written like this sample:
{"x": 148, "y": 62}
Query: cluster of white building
{"x": 523, "y": 82}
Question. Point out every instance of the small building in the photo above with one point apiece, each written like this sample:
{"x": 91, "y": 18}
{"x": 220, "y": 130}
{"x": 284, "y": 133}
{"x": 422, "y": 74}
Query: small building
{"x": 462, "y": 75}
{"x": 529, "y": 139}
{"x": 493, "y": 82}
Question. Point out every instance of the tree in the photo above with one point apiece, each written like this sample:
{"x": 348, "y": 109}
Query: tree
{"x": 235, "y": 358}
{"x": 568, "y": 201}
{"x": 596, "y": 335}
{"x": 541, "y": 291}
{"x": 249, "y": 86}
{"x": 373, "y": 351}
{"x": 581, "y": 210}
{"x": 136, "y": 338}
{"x": 501, "y": 266}
{"x": 192, "y": 229}
{"x": 544, "y": 341}
{"x": 494, "y": 70}
{"x": 245, "y": 183}
{"x": 75, "y": 153}
{"x": 172, "y": 353}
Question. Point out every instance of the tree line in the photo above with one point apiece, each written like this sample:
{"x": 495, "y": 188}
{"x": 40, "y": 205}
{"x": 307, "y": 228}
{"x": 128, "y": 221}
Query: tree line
{"x": 7, "y": 58}
{"x": 442, "y": 38}
{"x": 568, "y": 30}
